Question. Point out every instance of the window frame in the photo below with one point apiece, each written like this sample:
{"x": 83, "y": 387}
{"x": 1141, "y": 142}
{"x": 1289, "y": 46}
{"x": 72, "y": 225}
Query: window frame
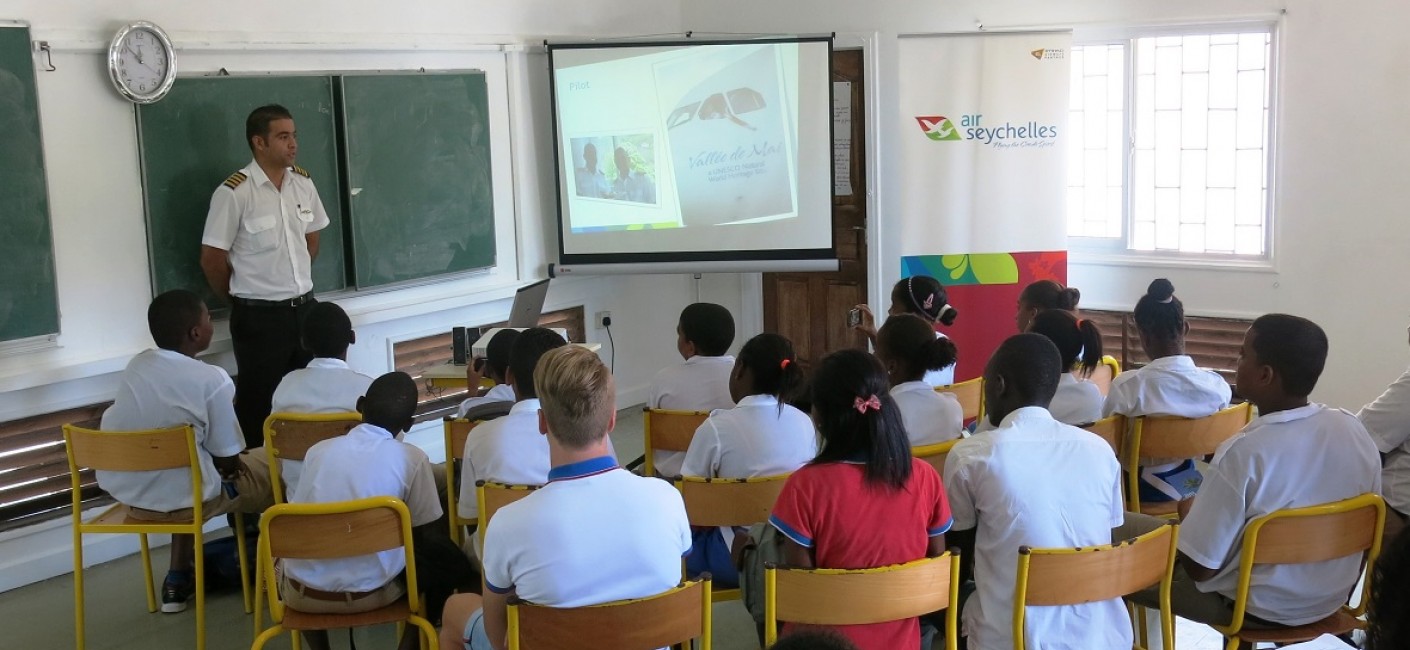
{"x": 1118, "y": 250}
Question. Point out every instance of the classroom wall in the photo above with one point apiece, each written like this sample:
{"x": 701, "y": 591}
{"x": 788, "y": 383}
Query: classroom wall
{"x": 95, "y": 187}
{"x": 1340, "y": 195}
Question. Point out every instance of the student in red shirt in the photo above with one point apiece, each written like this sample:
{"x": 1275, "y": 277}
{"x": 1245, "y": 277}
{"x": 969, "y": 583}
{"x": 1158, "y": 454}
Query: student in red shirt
{"x": 863, "y": 502}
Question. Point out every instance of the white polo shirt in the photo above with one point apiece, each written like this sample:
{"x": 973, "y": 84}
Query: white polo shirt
{"x": 594, "y": 534}
{"x": 326, "y": 385}
{"x": 163, "y": 388}
{"x": 1077, "y": 401}
{"x": 264, "y": 227}
{"x": 1288, "y": 459}
{"x": 1035, "y": 481}
{"x": 929, "y": 417}
{"x": 755, "y": 438}
{"x": 699, "y": 384}
{"x": 1168, "y": 386}
{"x": 367, "y": 462}
{"x": 499, "y": 393}
{"x": 1388, "y": 421}
{"x": 509, "y": 449}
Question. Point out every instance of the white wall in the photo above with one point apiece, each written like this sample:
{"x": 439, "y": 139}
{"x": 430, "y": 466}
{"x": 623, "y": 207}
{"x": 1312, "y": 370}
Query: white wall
{"x": 97, "y": 211}
{"x": 1340, "y": 193}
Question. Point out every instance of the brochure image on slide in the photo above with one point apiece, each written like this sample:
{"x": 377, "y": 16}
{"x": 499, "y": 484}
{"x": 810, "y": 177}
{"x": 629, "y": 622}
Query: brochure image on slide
{"x": 730, "y": 139}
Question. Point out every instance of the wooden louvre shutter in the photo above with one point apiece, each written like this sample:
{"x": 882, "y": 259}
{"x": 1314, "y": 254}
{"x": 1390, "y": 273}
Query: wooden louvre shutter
{"x": 1212, "y": 342}
{"x": 34, "y": 471}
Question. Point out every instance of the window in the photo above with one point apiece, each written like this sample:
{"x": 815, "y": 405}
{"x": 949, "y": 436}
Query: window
{"x": 1169, "y": 143}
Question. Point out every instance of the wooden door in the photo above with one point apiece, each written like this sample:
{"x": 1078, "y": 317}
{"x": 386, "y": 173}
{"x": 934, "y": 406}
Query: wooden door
{"x": 811, "y": 308}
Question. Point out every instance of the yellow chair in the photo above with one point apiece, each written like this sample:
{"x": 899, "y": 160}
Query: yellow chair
{"x": 935, "y": 454}
{"x": 316, "y": 531}
{"x": 139, "y": 451}
{"x": 729, "y": 502}
{"x": 491, "y": 496}
{"x": 1103, "y": 374}
{"x": 860, "y": 596}
{"x": 1303, "y": 535}
{"x": 1172, "y": 437}
{"x": 673, "y": 617}
{"x": 1111, "y": 429}
{"x": 288, "y": 436}
{"x": 666, "y": 430}
{"x": 970, "y": 395}
{"x": 456, "y": 431}
{"x": 1073, "y": 576}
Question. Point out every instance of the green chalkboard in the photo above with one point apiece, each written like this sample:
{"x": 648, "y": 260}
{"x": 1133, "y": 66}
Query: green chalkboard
{"x": 29, "y": 304}
{"x": 194, "y": 138}
{"x": 418, "y": 175}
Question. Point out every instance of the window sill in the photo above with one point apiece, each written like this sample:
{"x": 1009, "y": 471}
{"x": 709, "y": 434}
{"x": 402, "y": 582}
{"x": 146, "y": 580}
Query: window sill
{"x": 1077, "y": 255}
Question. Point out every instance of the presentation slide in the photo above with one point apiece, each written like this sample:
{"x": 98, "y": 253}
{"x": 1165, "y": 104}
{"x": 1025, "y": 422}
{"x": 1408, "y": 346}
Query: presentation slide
{"x": 695, "y": 150}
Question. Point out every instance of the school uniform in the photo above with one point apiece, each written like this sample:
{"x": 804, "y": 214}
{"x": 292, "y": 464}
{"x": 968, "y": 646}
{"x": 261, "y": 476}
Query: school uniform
{"x": 1388, "y": 421}
{"x": 505, "y": 450}
{"x": 701, "y": 383}
{"x": 593, "y": 534}
{"x": 758, "y": 437}
{"x": 366, "y": 462}
{"x": 499, "y": 393}
{"x": 1288, "y": 459}
{"x": 327, "y": 385}
{"x": 1168, "y": 386}
{"x": 1038, "y": 482}
{"x": 929, "y": 417}
{"x": 1077, "y": 401}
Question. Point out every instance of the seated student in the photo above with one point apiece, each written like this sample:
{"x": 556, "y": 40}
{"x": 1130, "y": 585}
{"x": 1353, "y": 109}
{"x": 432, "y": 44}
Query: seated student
{"x": 510, "y": 449}
{"x": 367, "y": 462}
{"x": 495, "y": 365}
{"x": 327, "y": 385}
{"x": 1388, "y": 619}
{"x": 1032, "y": 481}
{"x": 703, "y": 336}
{"x": 169, "y": 387}
{"x": 1388, "y": 420}
{"x": 1042, "y": 296}
{"x": 1169, "y": 385}
{"x": 1078, "y": 341}
{"x": 761, "y": 436}
{"x": 908, "y": 347}
{"x": 594, "y": 534}
{"x": 864, "y": 502}
{"x": 925, "y": 297}
{"x": 1294, "y": 454}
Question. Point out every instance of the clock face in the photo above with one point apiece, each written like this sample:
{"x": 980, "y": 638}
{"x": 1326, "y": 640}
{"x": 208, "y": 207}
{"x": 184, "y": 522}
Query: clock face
{"x": 141, "y": 61}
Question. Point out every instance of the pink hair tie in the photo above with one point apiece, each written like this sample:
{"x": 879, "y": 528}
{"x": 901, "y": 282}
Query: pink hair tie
{"x": 862, "y": 405}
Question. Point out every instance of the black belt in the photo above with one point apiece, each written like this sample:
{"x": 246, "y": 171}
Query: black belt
{"x": 287, "y": 302}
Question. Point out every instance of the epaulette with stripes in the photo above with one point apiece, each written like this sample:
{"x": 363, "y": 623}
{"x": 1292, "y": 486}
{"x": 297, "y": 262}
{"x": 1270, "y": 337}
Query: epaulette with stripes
{"x": 235, "y": 180}
{"x": 300, "y": 171}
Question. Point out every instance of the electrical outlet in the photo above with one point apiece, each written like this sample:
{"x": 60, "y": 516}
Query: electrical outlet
{"x": 601, "y": 319}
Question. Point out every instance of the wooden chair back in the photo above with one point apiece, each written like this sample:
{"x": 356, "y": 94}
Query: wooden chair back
{"x": 456, "y": 431}
{"x": 667, "y": 619}
{"x": 729, "y": 501}
{"x": 1104, "y": 373}
{"x": 1172, "y": 437}
{"x": 289, "y": 436}
{"x": 1066, "y": 576}
{"x": 131, "y": 451}
{"x": 935, "y": 454}
{"x": 492, "y": 496}
{"x": 1111, "y": 429}
{"x": 311, "y": 531}
{"x": 970, "y": 395}
{"x": 666, "y": 430}
{"x": 860, "y": 596}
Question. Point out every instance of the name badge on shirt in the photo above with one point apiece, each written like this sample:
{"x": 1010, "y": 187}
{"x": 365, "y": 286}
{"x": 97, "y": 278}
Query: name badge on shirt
{"x": 305, "y": 211}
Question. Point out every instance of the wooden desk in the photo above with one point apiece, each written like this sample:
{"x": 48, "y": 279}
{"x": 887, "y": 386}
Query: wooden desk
{"x": 449, "y": 375}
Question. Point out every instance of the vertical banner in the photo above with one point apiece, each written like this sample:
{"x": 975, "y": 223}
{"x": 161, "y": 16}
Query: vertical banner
{"x": 982, "y": 123}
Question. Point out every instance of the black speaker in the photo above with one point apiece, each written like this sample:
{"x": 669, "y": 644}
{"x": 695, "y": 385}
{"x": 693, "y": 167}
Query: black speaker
{"x": 459, "y": 346}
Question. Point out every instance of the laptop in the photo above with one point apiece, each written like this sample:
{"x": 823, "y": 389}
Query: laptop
{"x": 528, "y": 305}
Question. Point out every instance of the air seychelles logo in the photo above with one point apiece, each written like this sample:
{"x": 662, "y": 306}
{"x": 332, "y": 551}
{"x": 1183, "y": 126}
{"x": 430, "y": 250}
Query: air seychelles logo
{"x": 1003, "y": 136}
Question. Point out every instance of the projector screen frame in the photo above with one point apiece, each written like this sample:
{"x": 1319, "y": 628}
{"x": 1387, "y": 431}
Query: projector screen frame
{"x": 763, "y": 260}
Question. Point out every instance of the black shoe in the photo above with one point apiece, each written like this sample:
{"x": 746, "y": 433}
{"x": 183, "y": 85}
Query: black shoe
{"x": 177, "y": 589}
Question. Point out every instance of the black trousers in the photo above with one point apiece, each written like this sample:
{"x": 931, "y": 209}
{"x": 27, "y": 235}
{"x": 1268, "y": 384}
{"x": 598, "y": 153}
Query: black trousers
{"x": 267, "y": 347}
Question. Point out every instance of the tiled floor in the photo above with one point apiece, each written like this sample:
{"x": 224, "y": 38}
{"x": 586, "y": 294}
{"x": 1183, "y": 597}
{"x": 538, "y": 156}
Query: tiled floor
{"x": 40, "y": 616}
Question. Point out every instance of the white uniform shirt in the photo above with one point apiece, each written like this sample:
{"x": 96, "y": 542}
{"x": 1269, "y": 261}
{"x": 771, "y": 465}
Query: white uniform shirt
{"x": 755, "y": 438}
{"x": 264, "y": 229}
{"x": 595, "y": 533}
{"x": 1388, "y": 421}
{"x": 499, "y": 393}
{"x": 327, "y": 385}
{"x": 1035, "y": 481}
{"x": 944, "y": 376}
{"x": 162, "y": 388}
{"x": 367, "y": 462}
{"x": 509, "y": 449}
{"x": 1288, "y": 459}
{"x": 1077, "y": 401}
{"x": 1168, "y": 386}
{"x": 699, "y": 384}
{"x": 929, "y": 417}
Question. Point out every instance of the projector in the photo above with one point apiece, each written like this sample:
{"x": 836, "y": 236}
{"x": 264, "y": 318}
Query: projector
{"x": 477, "y": 350}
